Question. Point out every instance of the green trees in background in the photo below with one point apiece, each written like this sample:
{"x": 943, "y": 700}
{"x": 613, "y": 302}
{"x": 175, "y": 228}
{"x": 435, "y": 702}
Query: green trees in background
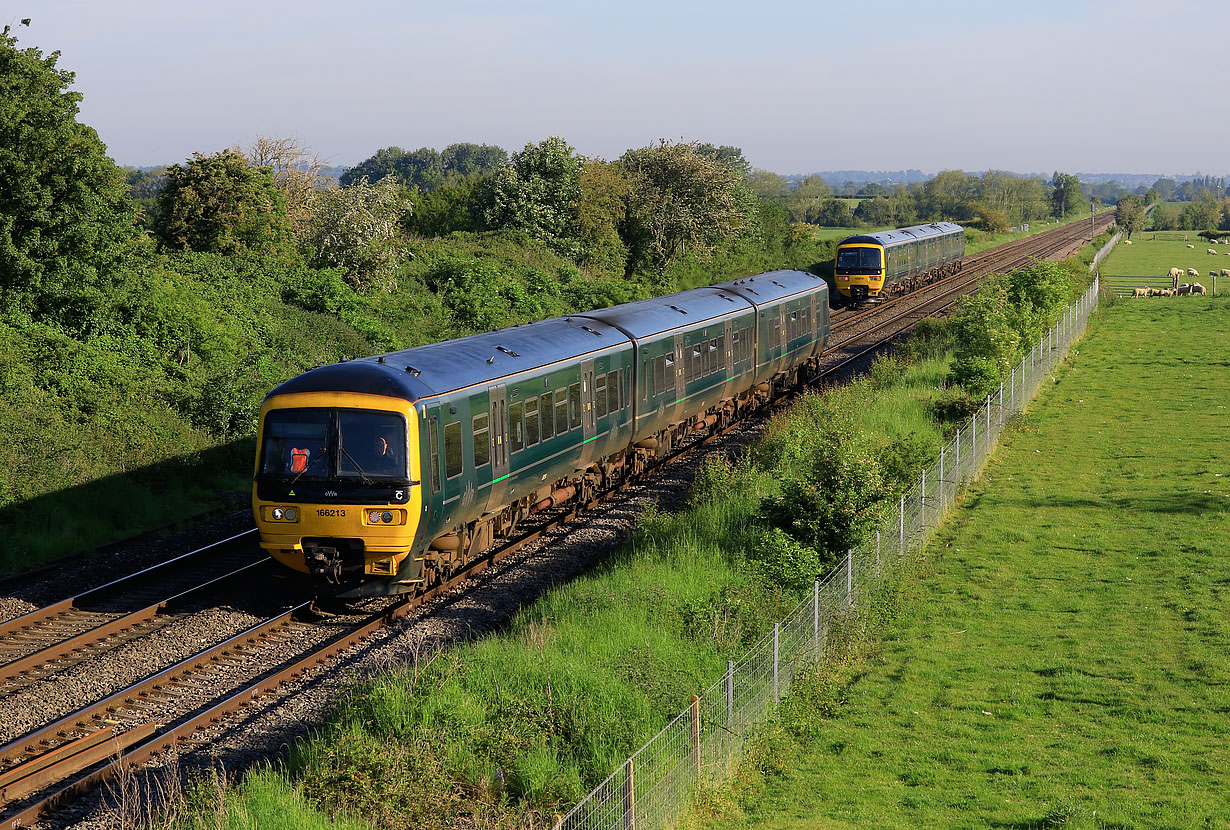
{"x": 681, "y": 200}
{"x": 222, "y": 204}
{"x": 356, "y": 228}
{"x": 1066, "y": 195}
{"x": 539, "y": 194}
{"x": 425, "y": 168}
{"x": 1130, "y": 215}
{"x": 65, "y": 216}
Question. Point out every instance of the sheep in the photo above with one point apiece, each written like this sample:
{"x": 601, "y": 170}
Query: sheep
{"x": 1184, "y": 290}
{"x": 1191, "y": 246}
{"x": 1210, "y": 251}
{"x": 1140, "y": 292}
{"x": 1197, "y": 288}
{"x": 1175, "y": 272}
{"x": 1192, "y": 272}
{"x": 1127, "y": 242}
{"x": 1225, "y": 272}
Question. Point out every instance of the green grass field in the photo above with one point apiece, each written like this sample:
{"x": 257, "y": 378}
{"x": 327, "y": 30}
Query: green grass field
{"x": 1064, "y": 657}
{"x": 1154, "y": 258}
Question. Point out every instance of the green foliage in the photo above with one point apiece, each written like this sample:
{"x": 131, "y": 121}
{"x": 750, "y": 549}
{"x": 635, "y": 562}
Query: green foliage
{"x": 426, "y": 169}
{"x": 222, "y": 204}
{"x": 681, "y": 200}
{"x": 1130, "y": 215}
{"x": 539, "y": 194}
{"x": 449, "y": 208}
{"x": 355, "y": 228}
{"x": 600, "y": 215}
{"x": 65, "y": 216}
{"x": 1066, "y": 196}
{"x": 833, "y": 213}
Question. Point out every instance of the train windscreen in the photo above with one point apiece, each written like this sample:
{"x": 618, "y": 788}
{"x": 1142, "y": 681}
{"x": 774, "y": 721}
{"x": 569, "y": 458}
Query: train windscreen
{"x": 858, "y": 259}
{"x": 323, "y": 443}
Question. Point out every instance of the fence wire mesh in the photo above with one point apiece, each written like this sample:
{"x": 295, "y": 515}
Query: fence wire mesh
{"x": 701, "y": 746}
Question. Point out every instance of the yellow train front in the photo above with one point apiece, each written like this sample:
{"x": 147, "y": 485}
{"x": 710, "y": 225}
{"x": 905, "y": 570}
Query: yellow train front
{"x": 337, "y": 492}
{"x": 869, "y": 267}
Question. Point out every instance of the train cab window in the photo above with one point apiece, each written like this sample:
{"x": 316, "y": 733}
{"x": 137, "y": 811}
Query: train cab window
{"x": 612, "y": 392}
{"x": 371, "y": 444}
{"x": 546, "y": 415}
{"x": 296, "y": 442}
{"x": 435, "y": 455}
{"x": 452, "y": 449}
{"x": 482, "y": 440}
{"x": 600, "y": 394}
{"x": 574, "y": 406}
{"x": 561, "y": 411}
{"x": 531, "y": 422}
{"x": 516, "y": 432}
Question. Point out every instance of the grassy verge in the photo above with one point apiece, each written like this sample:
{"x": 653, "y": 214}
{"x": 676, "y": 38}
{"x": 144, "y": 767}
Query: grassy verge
{"x": 1062, "y": 661}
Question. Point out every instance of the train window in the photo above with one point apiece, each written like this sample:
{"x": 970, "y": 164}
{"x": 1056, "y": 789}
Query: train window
{"x": 435, "y": 455}
{"x": 561, "y": 411}
{"x": 695, "y": 363}
{"x": 721, "y": 355}
{"x": 452, "y": 449}
{"x": 296, "y": 443}
{"x": 546, "y": 415}
{"x": 645, "y": 379}
{"x": 516, "y": 433}
{"x": 628, "y": 393}
{"x": 531, "y": 422}
{"x": 612, "y": 392}
{"x": 574, "y": 405}
{"x": 668, "y": 372}
{"x": 713, "y": 357}
{"x": 371, "y": 444}
{"x": 482, "y": 440}
{"x": 659, "y": 374}
{"x": 600, "y": 394}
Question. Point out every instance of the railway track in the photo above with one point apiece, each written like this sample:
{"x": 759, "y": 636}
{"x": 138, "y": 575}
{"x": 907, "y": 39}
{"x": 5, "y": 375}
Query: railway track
{"x": 55, "y": 763}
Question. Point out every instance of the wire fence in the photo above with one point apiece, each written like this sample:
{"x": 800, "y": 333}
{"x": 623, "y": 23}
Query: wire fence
{"x": 701, "y": 746}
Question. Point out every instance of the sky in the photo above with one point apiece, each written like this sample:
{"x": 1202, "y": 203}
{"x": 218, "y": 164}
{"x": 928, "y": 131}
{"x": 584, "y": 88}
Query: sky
{"x": 1069, "y": 85}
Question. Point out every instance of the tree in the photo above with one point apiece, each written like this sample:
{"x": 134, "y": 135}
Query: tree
{"x": 1201, "y": 215}
{"x": 65, "y": 215}
{"x": 1130, "y": 215}
{"x": 356, "y": 228}
{"x": 450, "y": 207}
{"x": 600, "y": 215}
{"x": 681, "y": 200}
{"x": 767, "y": 185}
{"x": 832, "y": 213}
{"x": 727, "y": 155}
{"x": 1066, "y": 196}
{"x": 222, "y": 204}
{"x": 465, "y": 159}
{"x": 296, "y": 172}
{"x": 425, "y": 168}
{"x": 539, "y": 193}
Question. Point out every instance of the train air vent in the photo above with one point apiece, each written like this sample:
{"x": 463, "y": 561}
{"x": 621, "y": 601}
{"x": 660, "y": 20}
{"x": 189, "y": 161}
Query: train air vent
{"x": 380, "y": 359}
{"x": 680, "y": 310}
{"x": 413, "y": 371}
{"x": 508, "y": 352}
{"x": 591, "y": 331}
{"x": 778, "y": 284}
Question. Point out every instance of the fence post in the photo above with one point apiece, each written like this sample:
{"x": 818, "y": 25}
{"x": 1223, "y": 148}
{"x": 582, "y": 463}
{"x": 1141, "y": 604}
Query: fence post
{"x": 1001, "y": 405}
{"x": 973, "y": 444}
{"x": 730, "y": 695}
{"x": 987, "y": 438}
{"x": 629, "y": 798}
{"x": 557, "y": 822}
{"x": 777, "y": 633}
{"x": 922, "y": 501}
{"x": 849, "y": 573}
{"x": 943, "y": 500}
{"x": 815, "y": 611}
{"x": 1012, "y": 391}
{"x": 696, "y": 735}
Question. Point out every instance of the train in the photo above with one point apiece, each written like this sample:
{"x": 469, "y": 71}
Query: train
{"x": 871, "y": 267}
{"x": 388, "y": 474}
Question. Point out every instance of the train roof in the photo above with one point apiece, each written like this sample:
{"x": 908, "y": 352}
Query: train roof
{"x": 775, "y": 285}
{"x": 644, "y": 318}
{"x": 437, "y": 368}
{"x": 901, "y": 235}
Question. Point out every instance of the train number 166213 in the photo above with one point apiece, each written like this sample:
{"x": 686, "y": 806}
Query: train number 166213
{"x": 330, "y": 511}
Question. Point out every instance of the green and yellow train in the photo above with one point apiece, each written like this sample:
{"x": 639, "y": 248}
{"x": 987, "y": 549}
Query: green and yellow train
{"x": 387, "y": 474}
{"x": 870, "y": 267}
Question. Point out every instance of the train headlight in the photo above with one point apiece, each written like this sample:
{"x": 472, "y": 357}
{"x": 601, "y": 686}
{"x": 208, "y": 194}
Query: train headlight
{"x": 386, "y": 517}
{"x": 373, "y": 516}
{"x": 290, "y": 514}
{"x": 278, "y": 514}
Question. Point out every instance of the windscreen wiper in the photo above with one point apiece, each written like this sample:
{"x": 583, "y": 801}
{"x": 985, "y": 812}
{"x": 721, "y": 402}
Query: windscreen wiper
{"x": 364, "y": 477}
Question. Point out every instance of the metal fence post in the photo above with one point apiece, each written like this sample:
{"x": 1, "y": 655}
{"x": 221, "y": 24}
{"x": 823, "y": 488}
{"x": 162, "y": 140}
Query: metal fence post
{"x": 849, "y": 573}
{"x": 1012, "y": 391}
{"x": 956, "y": 466}
{"x": 1001, "y": 405}
{"x": 973, "y": 444}
{"x": 987, "y": 438}
{"x": 815, "y": 611}
{"x": 777, "y": 633}
{"x": 943, "y": 501}
{"x": 730, "y": 695}
{"x": 922, "y": 501}
{"x": 696, "y": 735}
{"x": 629, "y": 798}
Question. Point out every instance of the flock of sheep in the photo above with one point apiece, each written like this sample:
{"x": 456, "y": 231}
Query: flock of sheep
{"x": 1176, "y": 288}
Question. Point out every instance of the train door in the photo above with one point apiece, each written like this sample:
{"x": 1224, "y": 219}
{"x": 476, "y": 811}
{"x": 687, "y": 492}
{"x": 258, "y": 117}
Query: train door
{"x": 454, "y": 423}
{"x": 729, "y": 349}
{"x": 589, "y": 418}
{"x": 680, "y": 386}
{"x": 430, "y": 443}
{"x": 498, "y": 420}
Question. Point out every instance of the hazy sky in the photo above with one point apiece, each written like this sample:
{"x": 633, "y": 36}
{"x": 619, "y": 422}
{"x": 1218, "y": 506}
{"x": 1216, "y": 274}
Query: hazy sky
{"x": 1038, "y": 86}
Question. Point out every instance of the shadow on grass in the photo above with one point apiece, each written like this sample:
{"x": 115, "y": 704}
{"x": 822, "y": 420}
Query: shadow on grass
{"x": 83, "y": 517}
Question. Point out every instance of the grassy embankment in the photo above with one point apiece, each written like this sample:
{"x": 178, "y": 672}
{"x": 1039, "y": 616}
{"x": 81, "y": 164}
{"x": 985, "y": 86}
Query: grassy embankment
{"x": 1062, "y": 660}
{"x": 1154, "y": 258}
